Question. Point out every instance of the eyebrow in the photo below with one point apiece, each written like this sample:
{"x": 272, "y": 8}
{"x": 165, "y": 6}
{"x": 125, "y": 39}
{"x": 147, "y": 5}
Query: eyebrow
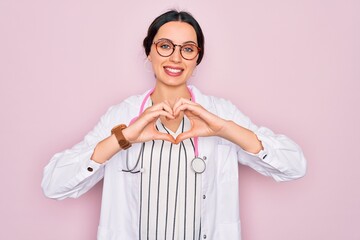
{"x": 174, "y": 43}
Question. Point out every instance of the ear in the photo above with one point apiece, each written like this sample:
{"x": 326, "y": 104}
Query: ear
{"x": 149, "y": 58}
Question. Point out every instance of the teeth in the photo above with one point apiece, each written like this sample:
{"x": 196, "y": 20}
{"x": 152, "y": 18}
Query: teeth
{"x": 173, "y": 70}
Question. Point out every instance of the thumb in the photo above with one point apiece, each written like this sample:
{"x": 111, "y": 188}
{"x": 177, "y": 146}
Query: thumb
{"x": 183, "y": 136}
{"x": 166, "y": 137}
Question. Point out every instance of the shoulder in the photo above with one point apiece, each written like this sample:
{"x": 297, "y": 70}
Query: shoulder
{"x": 126, "y": 110}
{"x": 217, "y": 105}
{"x": 221, "y": 107}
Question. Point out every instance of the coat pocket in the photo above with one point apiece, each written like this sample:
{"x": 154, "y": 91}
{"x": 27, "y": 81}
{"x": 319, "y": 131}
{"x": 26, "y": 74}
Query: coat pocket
{"x": 226, "y": 159}
{"x": 227, "y": 185}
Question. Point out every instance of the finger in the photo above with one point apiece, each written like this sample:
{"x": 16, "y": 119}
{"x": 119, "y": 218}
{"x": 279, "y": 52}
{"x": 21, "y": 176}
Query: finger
{"x": 165, "y": 137}
{"x": 190, "y": 115}
{"x": 181, "y": 101}
{"x": 183, "y": 136}
{"x": 149, "y": 118}
{"x": 165, "y": 106}
{"x": 152, "y": 116}
{"x": 187, "y": 107}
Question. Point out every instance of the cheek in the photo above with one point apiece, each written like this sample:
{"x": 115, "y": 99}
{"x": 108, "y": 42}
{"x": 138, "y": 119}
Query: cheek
{"x": 154, "y": 61}
{"x": 156, "y": 64}
{"x": 192, "y": 66}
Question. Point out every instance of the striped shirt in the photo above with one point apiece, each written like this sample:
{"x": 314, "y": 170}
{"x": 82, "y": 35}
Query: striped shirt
{"x": 170, "y": 189}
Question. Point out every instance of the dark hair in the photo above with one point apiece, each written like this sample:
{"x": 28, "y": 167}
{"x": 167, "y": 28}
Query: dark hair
{"x": 177, "y": 16}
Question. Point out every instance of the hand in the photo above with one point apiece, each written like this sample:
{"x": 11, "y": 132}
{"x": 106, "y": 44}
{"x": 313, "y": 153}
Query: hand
{"x": 203, "y": 123}
{"x": 143, "y": 129}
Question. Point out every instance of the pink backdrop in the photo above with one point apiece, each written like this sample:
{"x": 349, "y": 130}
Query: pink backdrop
{"x": 290, "y": 65}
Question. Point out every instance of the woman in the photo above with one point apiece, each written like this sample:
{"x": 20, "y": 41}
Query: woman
{"x": 169, "y": 157}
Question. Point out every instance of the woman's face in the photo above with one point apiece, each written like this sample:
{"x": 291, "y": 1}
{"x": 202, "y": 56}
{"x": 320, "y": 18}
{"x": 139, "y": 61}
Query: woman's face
{"x": 173, "y": 70}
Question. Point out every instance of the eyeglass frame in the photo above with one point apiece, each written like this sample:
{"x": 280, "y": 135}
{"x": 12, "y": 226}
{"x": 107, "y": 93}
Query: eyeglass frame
{"x": 176, "y": 45}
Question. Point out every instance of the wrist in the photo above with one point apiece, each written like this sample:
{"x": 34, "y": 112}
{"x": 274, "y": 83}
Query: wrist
{"x": 105, "y": 149}
{"x": 126, "y": 133}
{"x": 226, "y": 129}
{"x": 241, "y": 136}
{"x": 117, "y": 131}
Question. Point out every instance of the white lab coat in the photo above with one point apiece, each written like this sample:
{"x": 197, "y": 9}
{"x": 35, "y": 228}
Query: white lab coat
{"x": 71, "y": 173}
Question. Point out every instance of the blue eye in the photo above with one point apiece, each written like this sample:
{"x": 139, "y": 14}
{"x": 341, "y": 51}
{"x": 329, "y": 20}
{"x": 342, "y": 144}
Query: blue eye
{"x": 189, "y": 48}
{"x": 165, "y": 46}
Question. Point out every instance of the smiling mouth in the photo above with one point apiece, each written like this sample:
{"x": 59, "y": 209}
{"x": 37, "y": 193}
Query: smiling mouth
{"x": 173, "y": 71}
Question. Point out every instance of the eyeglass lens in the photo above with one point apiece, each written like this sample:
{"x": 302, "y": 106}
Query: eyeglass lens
{"x": 165, "y": 48}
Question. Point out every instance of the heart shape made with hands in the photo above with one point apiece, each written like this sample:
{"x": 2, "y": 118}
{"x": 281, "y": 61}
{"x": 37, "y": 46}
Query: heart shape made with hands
{"x": 203, "y": 123}
{"x": 198, "y": 126}
{"x": 173, "y": 124}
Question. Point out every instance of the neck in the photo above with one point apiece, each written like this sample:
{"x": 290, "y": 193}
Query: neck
{"x": 169, "y": 93}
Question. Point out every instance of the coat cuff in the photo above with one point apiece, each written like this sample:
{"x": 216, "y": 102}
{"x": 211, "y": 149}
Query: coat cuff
{"x": 266, "y": 153}
{"x": 91, "y": 166}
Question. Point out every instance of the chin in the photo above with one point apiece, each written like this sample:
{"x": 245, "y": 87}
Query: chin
{"x": 171, "y": 81}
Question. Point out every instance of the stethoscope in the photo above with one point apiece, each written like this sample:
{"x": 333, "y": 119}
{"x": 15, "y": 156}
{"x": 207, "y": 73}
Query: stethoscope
{"x": 198, "y": 164}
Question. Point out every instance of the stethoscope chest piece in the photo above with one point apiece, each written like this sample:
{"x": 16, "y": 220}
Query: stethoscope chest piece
{"x": 198, "y": 165}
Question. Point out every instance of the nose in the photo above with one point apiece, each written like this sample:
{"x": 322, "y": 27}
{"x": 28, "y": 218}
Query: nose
{"x": 176, "y": 56}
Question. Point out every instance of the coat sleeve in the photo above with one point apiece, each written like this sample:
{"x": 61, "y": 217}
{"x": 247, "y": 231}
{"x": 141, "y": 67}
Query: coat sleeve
{"x": 281, "y": 158}
{"x": 71, "y": 173}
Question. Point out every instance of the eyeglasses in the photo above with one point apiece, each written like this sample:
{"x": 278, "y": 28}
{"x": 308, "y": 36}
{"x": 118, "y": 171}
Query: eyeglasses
{"x": 165, "y": 48}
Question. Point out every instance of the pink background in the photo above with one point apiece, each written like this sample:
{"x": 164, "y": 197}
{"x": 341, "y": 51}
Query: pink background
{"x": 290, "y": 65}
